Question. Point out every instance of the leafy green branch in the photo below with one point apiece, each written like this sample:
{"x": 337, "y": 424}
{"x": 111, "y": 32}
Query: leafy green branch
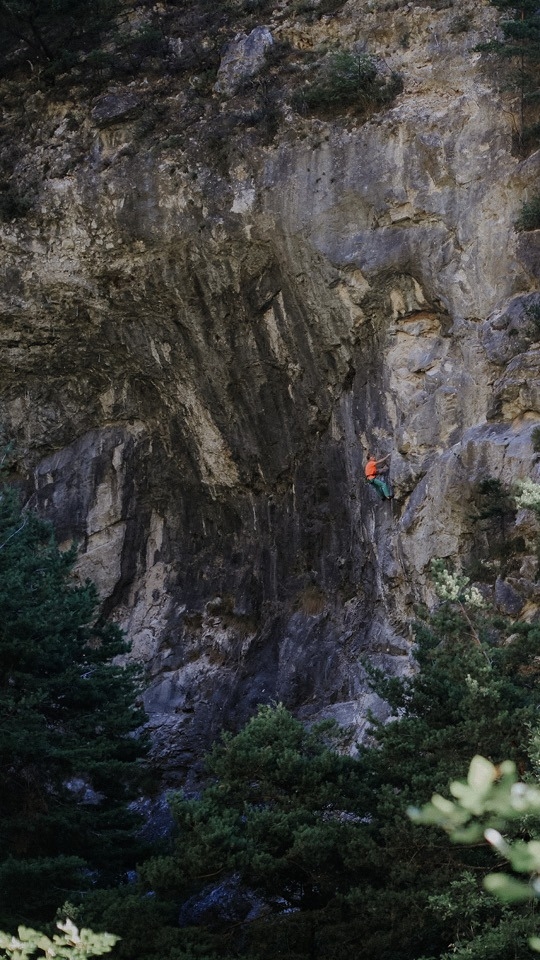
{"x": 71, "y": 943}
{"x": 483, "y": 806}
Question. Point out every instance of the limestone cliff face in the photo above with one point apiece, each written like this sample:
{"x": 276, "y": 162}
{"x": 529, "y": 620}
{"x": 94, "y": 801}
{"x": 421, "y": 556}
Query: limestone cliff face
{"x": 195, "y": 360}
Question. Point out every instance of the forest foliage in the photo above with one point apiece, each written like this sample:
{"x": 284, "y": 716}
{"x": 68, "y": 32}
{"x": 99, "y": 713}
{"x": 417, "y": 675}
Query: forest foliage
{"x": 296, "y": 849}
{"x": 54, "y": 32}
{"x": 519, "y": 46}
{"x": 292, "y": 847}
{"x": 69, "y": 943}
{"x": 71, "y": 758}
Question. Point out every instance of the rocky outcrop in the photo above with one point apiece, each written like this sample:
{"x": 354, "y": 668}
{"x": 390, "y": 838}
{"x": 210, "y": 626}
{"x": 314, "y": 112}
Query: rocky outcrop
{"x": 195, "y": 362}
{"x": 243, "y": 58}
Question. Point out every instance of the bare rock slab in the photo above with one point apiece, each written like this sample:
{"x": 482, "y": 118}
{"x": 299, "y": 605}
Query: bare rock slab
{"x": 242, "y": 58}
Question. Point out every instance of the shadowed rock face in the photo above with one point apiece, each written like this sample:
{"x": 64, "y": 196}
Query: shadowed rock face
{"x": 194, "y": 366}
{"x": 214, "y": 485}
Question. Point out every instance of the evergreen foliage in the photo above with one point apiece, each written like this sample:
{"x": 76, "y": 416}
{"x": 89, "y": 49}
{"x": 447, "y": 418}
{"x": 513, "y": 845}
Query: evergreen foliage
{"x": 520, "y": 45}
{"x": 322, "y": 838}
{"x": 274, "y": 814}
{"x": 491, "y": 800}
{"x": 54, "y": 32}
{"x": 70, "y": 943}
{"x": 70, "y": 759}
{"x": 348, "y": 80}
{"x": 529, "y": 217}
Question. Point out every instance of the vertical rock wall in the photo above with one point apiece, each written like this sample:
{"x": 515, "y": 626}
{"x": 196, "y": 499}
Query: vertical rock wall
{"x": 194, "y": 365}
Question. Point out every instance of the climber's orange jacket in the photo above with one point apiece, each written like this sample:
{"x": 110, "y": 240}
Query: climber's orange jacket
{"x": 371, "y": 469}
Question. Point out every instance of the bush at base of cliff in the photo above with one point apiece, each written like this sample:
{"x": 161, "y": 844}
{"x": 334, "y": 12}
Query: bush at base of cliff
{"x": 70, "y": 761}
{"x": 322, "y": 839}
{"x": 318, "y": 842}
{"x": 280, "y": 812}
{"x": 147, "y": 926}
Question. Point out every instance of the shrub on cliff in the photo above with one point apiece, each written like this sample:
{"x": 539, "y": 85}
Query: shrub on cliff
{"x": 520, "y": 47}
{"x": 53, "y": 32}
{"x": 529, "y": 217}
{"x": 13, "y": 203}
{"x": 69, "y": 756}
{"x": 347, "y": 80}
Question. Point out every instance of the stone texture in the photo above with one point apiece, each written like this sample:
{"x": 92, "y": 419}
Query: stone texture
{"x": 508, "y": 599}
{"x": 242, "y": 58}
{"x": 513, "y": 329}
{"x": 116, "y": 107}
{"x": 195, "y": 360}
{"x": 226, "y": 902}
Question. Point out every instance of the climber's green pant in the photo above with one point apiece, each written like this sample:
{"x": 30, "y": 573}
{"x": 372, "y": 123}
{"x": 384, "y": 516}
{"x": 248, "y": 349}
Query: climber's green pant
{"x": 381, "y": 488}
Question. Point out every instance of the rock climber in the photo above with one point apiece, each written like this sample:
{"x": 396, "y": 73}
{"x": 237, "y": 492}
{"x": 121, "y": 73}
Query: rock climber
{"x": 371, "y": 472}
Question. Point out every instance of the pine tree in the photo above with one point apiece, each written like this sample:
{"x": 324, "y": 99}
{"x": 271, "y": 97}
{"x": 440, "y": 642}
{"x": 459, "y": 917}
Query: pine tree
{"x": 324, "y": 838}
{"x": 476, "y": 690}
{"x": 275, "y": 812}
{"x": 53, "y": 31}
{"x": 520, "y": 26}
{"x": 70, "y": 756}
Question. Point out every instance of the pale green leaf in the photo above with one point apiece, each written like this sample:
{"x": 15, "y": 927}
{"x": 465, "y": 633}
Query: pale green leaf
{"x": 507, "y": 888}
{"x": 482, "y": 774}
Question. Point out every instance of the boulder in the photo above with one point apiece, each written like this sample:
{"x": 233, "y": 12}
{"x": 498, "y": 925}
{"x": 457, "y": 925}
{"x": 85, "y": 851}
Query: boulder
{"x": 114, "y": 107}
{"x": 508, "y": 600}
{"x": 242, "y": 58}
{"x": 510, "y": 331}
{"x": 220, "y": 903}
